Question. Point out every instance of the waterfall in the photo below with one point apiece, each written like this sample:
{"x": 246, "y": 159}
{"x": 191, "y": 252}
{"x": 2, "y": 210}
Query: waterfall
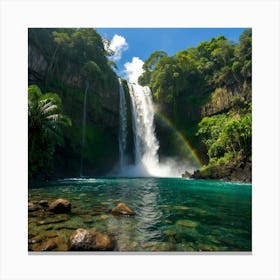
{"x": 122, "y": 126}
{"x": 145, "y": 142}
{"x": 84, "y": 130}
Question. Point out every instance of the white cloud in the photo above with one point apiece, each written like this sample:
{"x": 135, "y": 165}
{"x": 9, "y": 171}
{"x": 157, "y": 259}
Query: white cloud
{"x": 118, "y": 45}
{"x": 133, "y": 69}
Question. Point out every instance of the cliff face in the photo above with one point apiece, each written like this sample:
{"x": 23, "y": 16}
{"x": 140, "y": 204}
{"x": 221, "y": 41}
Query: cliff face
{"x": 222, "y": 99}
{"x": 53, "y": 71}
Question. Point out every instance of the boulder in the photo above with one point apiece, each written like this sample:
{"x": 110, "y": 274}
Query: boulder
{"x": 186, "y": 174}
{"x": 53, "y": 243}
{"x": 32, "y": 207}
{"x": 122, "y": 209}
{"x": 85, "y": 240}
{"x": 44, "y": 203}
{"x": 60, "y": 206}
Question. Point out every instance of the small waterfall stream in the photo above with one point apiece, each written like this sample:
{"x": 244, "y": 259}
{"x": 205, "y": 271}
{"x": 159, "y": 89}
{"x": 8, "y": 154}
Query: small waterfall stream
{"x": 84, "y": 130}
{"x": 122, "y": 126}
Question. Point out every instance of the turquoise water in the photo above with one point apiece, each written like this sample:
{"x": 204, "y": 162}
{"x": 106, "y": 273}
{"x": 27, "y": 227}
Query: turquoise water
{"x": 173, "y": 214}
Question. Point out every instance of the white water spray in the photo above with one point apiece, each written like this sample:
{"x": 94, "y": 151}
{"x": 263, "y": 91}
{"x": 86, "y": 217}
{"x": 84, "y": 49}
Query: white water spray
{"x": 145, "y": 143}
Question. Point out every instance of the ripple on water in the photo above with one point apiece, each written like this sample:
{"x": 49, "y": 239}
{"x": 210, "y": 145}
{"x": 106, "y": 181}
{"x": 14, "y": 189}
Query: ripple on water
{"x": 172, "y": 215}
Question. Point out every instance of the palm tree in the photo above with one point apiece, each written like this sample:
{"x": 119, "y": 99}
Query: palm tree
{"x": 45, "y": 126}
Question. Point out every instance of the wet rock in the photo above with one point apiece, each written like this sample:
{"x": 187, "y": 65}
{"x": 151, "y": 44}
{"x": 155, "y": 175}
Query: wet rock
{"x": 54, "y": 220}
{"x": 41, "y": 213}
{"x": 122, "y": 209}
{"x": 187, "y": 223}
{"x": 103, "y": 217}
{"x": 50, "y": 244}
{"x": 207, "y": 247}
{"x": 41, "y": 237}
{"x": 87, "y": 218}
{"x": 79, "y": 212}
{"x": 186, "y": 174}
{"x": 44, "y": 203}
{"x": 60, "y": 206}
{"x": 189, "y": 247}
{"x": 181, "y": 207}
{"x": 85, "y": 240}
{"x": 157, "y": 246}
{"x": 170, "y": 232}
{"x": 32, "y": 207}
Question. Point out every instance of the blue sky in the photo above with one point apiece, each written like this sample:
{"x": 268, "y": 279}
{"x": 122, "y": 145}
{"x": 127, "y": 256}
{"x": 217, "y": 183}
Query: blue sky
{"x": 134, "y": 45}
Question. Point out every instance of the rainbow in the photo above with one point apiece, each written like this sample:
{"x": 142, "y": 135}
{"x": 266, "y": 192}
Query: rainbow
{"x": 187, "y": 145}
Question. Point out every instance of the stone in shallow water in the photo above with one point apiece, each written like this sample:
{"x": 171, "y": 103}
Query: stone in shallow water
{"x": 41, "y": 237}
{"x": 47, "y": 241}
{"x": 32, "y": 207}
{"x": 79, "y": 212}
{"x": 40, "y": 213}
{"x": 60, "y": 206}
{"x": 103, "y": 217}
{"x": 50, "y": 244}
{"x": 207, "y": 247}
{"x": 157, "y": 246}
{"x": 44, "y": 203}
{"x": 87, "y": 218}
{"x": 85, "y": 240}
{"x": 122, "y": 209}
{"x": 181, "y": 207}
{"x": 188, "y": 247}
{"x": 170, "y": 232}
{"x": 53, "y": 220}
{"x": 187, "y": 223}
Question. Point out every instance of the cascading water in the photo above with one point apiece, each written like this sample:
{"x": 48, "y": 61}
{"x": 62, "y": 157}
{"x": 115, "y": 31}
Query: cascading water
{"x": 84, "y": 130}
{"x": 145, "y": 143}
{"x": 122, "y": 126}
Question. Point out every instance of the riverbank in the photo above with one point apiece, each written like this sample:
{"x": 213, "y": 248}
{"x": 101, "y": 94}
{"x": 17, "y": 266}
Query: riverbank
{"x": 231, "y": 171}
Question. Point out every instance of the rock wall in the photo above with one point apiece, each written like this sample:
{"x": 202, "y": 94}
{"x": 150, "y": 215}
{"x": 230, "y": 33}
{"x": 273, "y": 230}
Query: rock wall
{"x": 222, "y": 99}
{"x": 102, "y": 116}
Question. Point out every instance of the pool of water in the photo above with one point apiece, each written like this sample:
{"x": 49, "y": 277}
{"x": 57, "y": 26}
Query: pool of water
{"x": 172, "y": 214}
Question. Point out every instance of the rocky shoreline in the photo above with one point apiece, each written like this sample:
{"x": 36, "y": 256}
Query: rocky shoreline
{"x": 235, "y": 172}
{"x": 81, "y": 239}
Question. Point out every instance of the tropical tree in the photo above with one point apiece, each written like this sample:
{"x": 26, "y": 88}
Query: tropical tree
{"x": 45, "y": 127}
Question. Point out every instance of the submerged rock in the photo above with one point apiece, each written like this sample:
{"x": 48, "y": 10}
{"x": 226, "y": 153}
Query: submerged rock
{"x": 103, "y": 217}
{"x": 44, "y": 203}
{"x": 60, "y": 206}
{"x": 85, "y": 240}
{"x": 32, "y": 207}
{"x": 48, "y": 241}
{"x": 187, "y": 223}
{"x": 122, "y": 209}
{"x": 54, "y": 220}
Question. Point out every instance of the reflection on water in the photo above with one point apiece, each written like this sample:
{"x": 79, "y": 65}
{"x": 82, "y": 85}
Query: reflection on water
{"x": 173, "y": 214}
{"x": 149, "y": 218}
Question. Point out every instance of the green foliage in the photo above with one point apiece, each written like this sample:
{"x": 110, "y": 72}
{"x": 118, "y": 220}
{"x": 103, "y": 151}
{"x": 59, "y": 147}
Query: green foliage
{"x": 216, "y": 73}
{"x": 45, "y": 127}
{"x": 227, "y": 136}
{"x": 76, "y": 59}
